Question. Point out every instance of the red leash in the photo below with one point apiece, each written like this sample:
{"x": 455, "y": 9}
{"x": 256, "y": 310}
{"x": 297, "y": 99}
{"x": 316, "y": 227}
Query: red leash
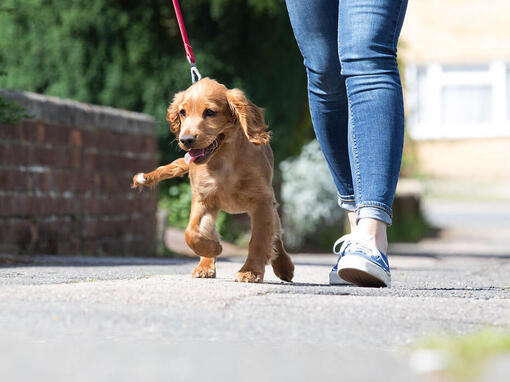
{"x": 195, "y": 74}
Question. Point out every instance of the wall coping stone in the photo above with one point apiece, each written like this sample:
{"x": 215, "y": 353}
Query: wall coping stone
{"x": 59, "y": 111}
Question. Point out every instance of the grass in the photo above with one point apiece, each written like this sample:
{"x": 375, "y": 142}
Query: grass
{"x": 466, "y": 356}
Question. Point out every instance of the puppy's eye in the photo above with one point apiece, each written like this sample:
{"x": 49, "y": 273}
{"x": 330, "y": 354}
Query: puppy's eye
{"x": 209, "y": 113}
{"x": 183, "y": 112}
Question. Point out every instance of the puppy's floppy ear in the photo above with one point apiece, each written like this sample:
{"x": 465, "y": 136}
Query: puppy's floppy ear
{"x": 249, "y": 116}
{"x": 172, "y": 115}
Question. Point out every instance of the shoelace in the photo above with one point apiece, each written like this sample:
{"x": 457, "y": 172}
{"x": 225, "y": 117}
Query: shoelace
{"x": 343, "y": 240}
{"x": 357, "y": 244}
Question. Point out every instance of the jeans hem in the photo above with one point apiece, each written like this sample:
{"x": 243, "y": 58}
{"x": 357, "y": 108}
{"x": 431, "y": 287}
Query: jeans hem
{"x": 347, "y": 202}
{"x": 374, "y": 210}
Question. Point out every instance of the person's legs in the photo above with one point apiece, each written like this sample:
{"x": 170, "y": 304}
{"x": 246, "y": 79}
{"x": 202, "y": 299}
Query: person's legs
{"x": 315, "y": 26}
{"x": 368, "y": 33}
{"x": 367, "y": 39}
{"x": 362, "y": 109}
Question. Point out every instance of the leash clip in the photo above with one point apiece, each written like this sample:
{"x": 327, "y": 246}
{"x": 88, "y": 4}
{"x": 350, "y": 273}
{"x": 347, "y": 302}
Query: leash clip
{"x": 195, "y": 74}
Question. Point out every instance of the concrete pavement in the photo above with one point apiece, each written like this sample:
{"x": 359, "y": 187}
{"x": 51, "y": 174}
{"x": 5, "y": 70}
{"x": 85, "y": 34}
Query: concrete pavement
{"x": 151, "y": 319}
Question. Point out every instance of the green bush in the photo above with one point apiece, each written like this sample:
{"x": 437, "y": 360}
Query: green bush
{"x": 409, "y": 229}
{"x": 178, "y": 204}
{"x": 10, "y": 112}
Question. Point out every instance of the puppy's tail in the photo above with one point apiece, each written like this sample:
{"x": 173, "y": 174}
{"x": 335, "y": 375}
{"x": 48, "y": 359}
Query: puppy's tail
{"x": 177, "y": 168}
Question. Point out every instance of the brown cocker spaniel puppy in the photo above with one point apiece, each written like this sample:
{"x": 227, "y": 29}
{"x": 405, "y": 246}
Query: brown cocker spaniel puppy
{"x": 230, "y": 165}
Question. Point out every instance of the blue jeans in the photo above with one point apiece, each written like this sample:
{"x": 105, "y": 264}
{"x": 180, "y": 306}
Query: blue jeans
{"x": 349, "y": 49}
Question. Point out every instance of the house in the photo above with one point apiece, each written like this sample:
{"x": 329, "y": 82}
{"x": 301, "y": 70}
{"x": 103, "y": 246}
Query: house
{"x": 456, "y": 56}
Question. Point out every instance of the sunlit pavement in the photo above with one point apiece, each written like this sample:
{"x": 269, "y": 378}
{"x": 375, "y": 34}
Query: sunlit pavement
{"x": 85, "y": 318}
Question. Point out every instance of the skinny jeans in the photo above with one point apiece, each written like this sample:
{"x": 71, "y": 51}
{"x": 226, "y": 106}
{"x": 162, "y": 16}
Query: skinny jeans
{"x": 349, "y": 49}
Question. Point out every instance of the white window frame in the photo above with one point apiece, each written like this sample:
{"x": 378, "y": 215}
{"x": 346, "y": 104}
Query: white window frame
{"x": 432, "y": 127}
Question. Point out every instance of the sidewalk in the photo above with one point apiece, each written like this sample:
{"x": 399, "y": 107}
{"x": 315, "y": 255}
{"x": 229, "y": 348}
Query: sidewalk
{"x": 473, "y": 218}
{"x": 145, "y": 314}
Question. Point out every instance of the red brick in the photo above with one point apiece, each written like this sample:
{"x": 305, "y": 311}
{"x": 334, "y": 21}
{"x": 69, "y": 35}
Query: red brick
{"x": 41, "y": 132}
{"x": 17, "y": 231}
{"x": 15, "y": 180}
{"x": 63, "y": 181}
{"x": 44, "y": 182}
{"x": 20, "y": 154}
{"x": 150, "y": 145}
{"x": 28, "y": 131}
{"x": 40, "y": 205}
{"x": 75, "y": 138}
{"x": 113, "y": 247}
{"x": 117, "y": 163}
{"x": 123, "y": 143}
{"x": 89, "y": 139}
{"x": 76, "y": 158}
{"x": 47, "y": 236}
{"x": 91, "y": 247}
{"x": 44, "y": 156}
{"x": 6, "y": 205}
{"x": 133, "y": 143}
{"x": 57, "y": 135}
{"x": 108, "y": 141}
{"x": 62, "y": 157}
{"x": 8, "y": 131}
{"x": 90, "y": 161}
{"x": 4, "y": 152}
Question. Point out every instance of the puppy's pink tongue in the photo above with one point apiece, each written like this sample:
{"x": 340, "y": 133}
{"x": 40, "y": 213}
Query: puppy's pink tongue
{"x": 189, "y": 159}
{"x": 192, "y": 155}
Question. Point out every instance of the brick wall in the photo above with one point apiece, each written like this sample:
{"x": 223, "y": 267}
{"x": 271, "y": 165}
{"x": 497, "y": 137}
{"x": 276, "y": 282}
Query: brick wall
{"x": 65, "y": 179}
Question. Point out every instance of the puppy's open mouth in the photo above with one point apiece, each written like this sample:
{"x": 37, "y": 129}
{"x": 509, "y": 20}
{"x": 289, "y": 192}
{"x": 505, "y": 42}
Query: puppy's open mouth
{"x": 201, "y": 155}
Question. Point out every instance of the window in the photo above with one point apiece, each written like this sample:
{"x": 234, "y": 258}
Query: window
{"x": 421, "y": 87}
{"x": 508, "y": 92}
{"x": 466, "y": 104}
{"x": 465, "y": 68}
{"x": 458, "y": 101}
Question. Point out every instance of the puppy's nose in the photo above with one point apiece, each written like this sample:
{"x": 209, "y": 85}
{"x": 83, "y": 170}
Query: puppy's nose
{"x": 187, "y": 140}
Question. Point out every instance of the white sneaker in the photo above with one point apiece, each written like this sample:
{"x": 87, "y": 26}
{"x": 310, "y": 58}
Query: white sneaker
{"x": 334, "y": 278}
{"x": 361, "y": 263}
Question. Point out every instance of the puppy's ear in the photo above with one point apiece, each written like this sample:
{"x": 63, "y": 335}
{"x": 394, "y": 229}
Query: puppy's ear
{"x": 249, "y": 116}
{"x": 172, "y": 115}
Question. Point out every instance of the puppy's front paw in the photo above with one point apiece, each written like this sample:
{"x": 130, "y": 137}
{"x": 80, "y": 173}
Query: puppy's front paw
{"x": 138, "y": 181}
{"x": 201, "y": 272}
{"x": 249, "y": 277}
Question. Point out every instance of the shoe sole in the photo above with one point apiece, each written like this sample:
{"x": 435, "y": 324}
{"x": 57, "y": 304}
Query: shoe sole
{"x": 362, "y": 272}
{"x": 334, "y": 279}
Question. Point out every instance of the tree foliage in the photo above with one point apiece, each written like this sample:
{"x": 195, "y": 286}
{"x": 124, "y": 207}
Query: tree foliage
{"x": 10, "y": 112}
{"x": 128, "y": 54}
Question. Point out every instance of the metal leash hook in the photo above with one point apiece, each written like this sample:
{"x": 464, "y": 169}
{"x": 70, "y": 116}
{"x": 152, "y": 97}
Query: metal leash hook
{"x": 195, "y": 74}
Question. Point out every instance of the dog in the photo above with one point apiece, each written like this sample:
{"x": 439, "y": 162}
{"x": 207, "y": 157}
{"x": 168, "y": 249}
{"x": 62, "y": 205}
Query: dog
{"x": 230, "y": 165}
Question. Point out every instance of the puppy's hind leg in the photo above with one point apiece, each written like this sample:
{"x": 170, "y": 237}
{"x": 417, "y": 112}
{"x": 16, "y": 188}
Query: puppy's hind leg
{"x": 260, "y": 250}
{"x": 281, "y": 262}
